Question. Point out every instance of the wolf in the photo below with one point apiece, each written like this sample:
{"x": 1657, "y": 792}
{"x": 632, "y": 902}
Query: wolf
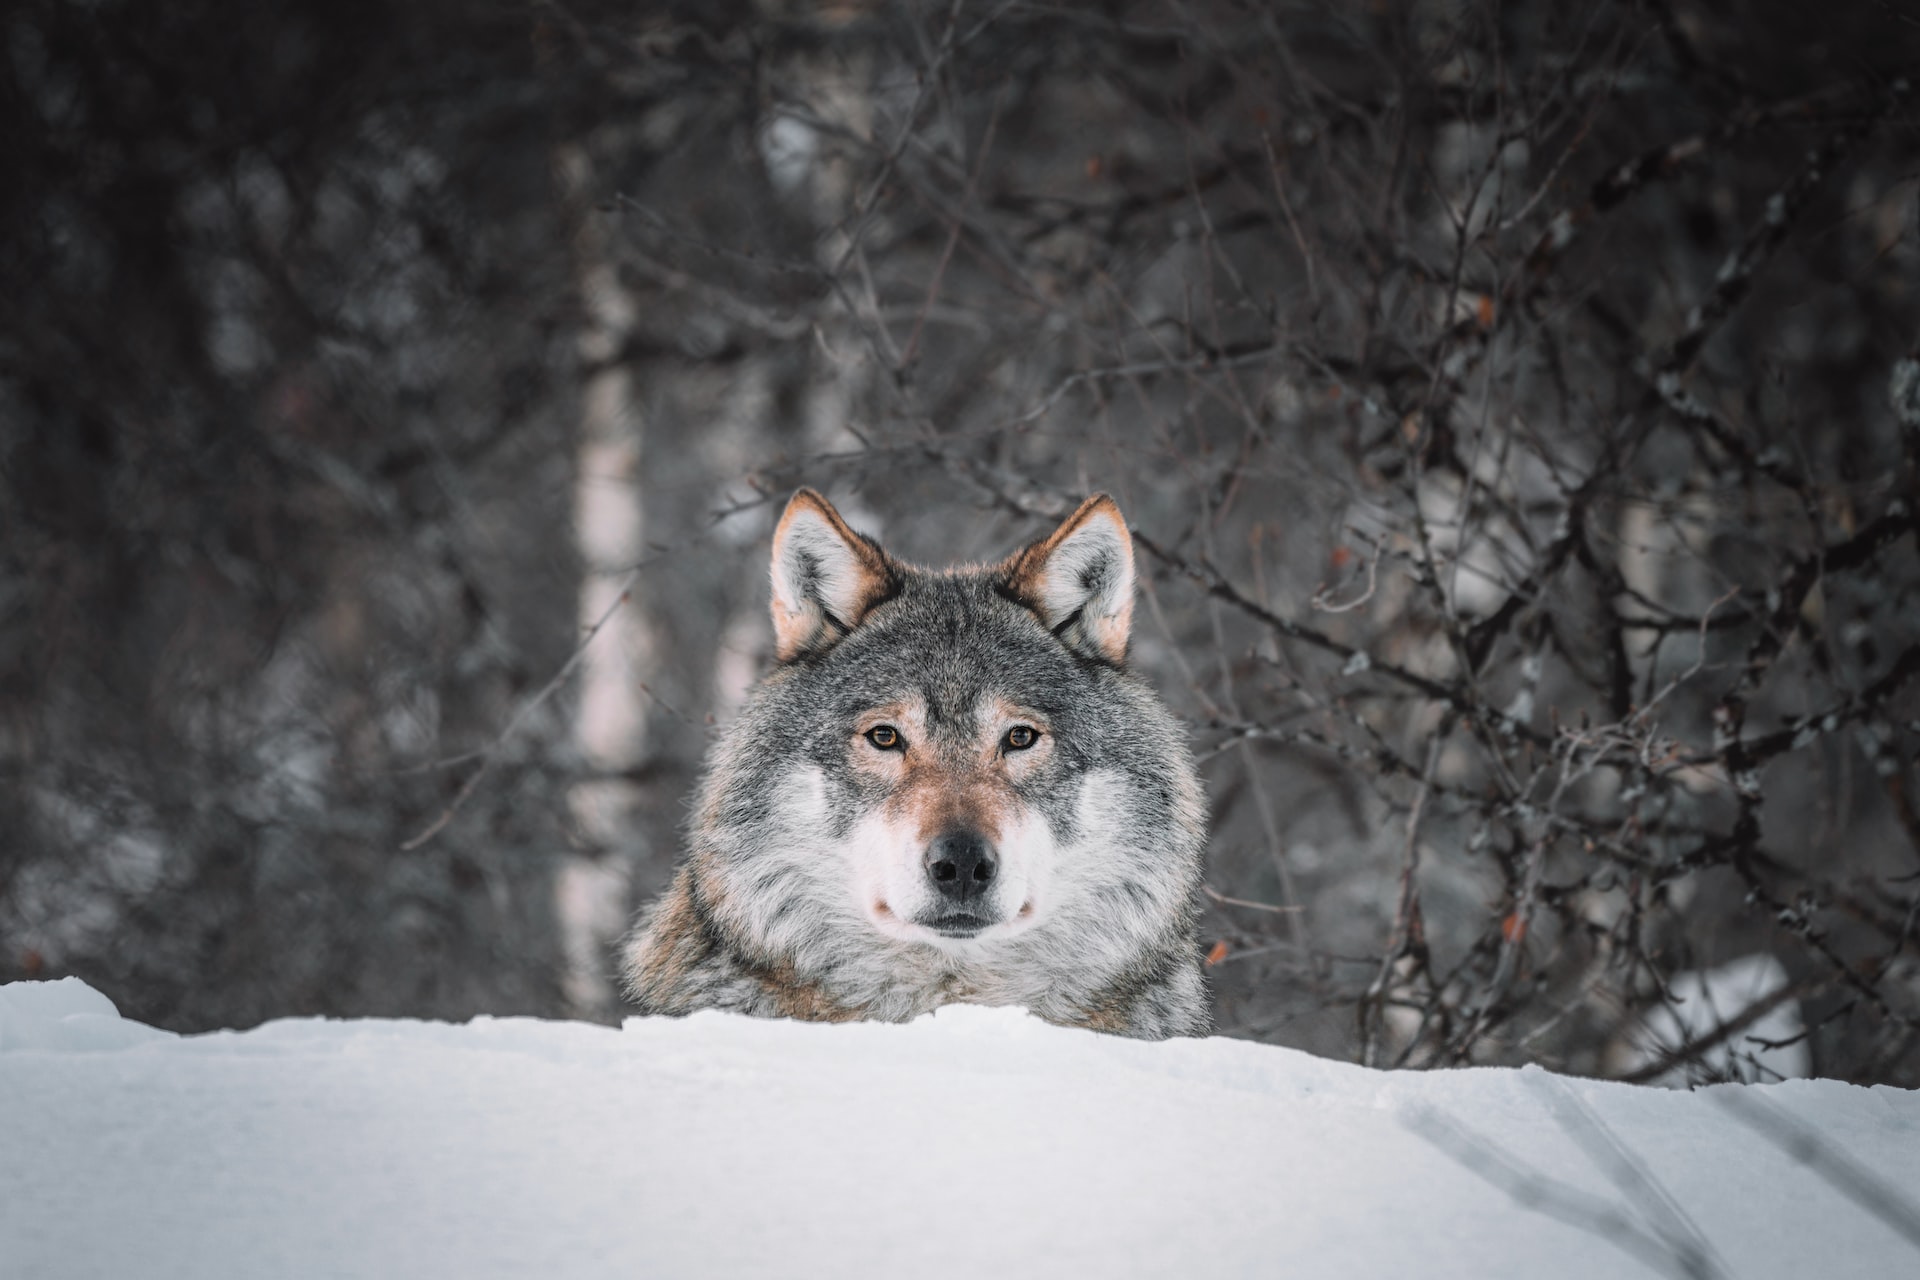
{"x": 948, "y": 789}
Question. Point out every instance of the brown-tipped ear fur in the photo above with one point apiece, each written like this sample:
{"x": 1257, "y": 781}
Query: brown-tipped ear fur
{"x": 1080, "y": 580}
{"x": 826, "y": 577}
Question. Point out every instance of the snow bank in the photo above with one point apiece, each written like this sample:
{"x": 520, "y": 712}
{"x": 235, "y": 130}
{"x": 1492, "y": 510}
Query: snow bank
{"x": 66, "y": 1016}
{"x": 975, "y": 1141}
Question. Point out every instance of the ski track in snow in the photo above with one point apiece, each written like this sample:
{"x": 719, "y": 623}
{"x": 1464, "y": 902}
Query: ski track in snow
{"x": 972, "y": 1141}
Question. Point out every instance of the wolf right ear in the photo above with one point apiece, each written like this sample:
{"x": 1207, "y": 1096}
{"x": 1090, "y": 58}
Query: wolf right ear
{"x": 826, "y": 577}
{"x": 1080, "y": 580}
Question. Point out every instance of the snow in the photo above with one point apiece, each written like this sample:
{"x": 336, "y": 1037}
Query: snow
{"x": 973, "y": 1141}
{"x": 66, "y": 1016}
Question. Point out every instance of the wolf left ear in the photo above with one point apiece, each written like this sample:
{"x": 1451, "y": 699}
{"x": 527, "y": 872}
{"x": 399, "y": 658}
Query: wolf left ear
{"x": 826, "y": 577}
{"x": 1080, "y": 580}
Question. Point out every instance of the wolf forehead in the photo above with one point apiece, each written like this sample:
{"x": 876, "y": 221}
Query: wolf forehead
{"x": 953, "y": 643}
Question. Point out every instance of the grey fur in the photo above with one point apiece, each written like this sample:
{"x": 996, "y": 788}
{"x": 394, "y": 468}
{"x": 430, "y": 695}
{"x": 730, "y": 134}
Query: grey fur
{"x": 763, "y": 915}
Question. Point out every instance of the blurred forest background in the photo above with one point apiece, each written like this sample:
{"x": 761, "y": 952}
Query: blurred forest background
{"x": 1517, "y": 406}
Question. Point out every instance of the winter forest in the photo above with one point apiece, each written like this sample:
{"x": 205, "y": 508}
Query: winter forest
{"x": 1516, "y": 407}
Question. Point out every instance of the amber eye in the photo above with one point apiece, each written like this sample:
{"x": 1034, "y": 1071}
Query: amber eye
{"x": 1021, "y": 736}
{"x": 885, "y": 737}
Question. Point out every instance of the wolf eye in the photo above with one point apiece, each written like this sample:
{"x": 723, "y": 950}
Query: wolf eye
{"x": 1020, "y": 737}
{"x": 885, "y": 737}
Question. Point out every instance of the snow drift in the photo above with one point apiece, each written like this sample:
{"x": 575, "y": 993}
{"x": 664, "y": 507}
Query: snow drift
{"x": 973, "y": 1141}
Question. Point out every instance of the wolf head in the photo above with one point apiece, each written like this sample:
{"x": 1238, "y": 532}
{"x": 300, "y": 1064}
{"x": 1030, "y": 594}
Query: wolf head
{"x": 950, "y": 787}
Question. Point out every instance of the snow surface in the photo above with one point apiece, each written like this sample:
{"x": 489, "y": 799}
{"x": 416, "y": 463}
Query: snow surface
{"x": 974, "y": 1141}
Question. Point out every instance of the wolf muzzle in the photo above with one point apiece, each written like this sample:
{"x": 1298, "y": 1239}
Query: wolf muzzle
{"x": 961, "y": 866}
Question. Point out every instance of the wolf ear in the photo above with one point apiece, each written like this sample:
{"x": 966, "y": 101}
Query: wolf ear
{"x": 826, "y": 577}
{"x": 1080, "y": 580}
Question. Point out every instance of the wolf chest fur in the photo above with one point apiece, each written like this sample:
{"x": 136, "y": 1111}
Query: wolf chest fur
{"x": 949, "y": 789}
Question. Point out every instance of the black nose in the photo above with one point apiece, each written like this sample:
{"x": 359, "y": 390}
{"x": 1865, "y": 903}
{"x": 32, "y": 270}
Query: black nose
{"x": 961, "y": 865}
